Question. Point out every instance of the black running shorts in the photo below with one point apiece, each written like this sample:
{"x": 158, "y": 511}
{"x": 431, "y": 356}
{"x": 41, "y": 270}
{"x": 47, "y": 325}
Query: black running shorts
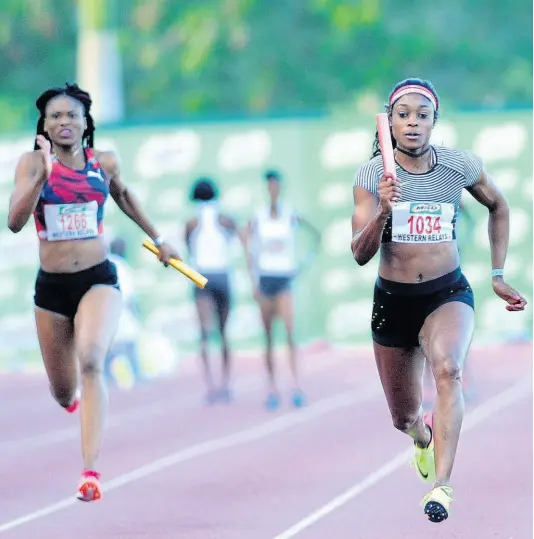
{"x": 218, "y": 288}
{"x": 400, "y": 309}
{"x": 62, "y": 292}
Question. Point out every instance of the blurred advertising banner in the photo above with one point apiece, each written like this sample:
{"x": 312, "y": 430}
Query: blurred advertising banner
{"x": 318, "y": 159}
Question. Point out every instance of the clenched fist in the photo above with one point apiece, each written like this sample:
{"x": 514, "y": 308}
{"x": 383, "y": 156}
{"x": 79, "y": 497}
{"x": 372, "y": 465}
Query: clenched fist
{"x": 388, "y": 192}
{"x": 45, "y": 149}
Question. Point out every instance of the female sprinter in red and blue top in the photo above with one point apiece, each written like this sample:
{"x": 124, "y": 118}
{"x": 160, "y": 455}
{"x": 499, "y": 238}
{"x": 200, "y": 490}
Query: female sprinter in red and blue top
{"x": 64, "y": 182}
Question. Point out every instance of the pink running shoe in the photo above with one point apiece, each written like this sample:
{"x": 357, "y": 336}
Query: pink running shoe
{"x": 75, "y": 403}
{"x": 89, "y": 489}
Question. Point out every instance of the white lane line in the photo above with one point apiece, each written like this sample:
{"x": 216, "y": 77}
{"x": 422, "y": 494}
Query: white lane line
{"x": 477, "y": 416}
{"x": 242, "y": 437}
{"x": 246, "y": 385}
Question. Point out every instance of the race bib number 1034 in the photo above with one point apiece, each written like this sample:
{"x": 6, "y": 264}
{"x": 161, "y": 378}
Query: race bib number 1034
{"x": 422, "y": 222}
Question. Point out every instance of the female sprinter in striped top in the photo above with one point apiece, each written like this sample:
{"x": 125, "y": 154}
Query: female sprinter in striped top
{"x": 423, "y": 305}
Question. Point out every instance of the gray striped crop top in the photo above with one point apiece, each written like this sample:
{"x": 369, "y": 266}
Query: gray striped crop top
{"x": 428, "y": 209}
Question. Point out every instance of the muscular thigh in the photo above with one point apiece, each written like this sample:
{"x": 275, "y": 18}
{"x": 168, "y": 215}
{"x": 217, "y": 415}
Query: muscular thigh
{"x": 267, "y": 310}
{"x": 222, "y": 306}
{"x": 56, "y": 339}
{"x": 446, "y": 336}
{"x": 221, "y": 298}
{"x": 204, "y": 303}
{"x": 401, "y": 374}
{"x": 284, "y": 308}
{"x": 96, "y": 321}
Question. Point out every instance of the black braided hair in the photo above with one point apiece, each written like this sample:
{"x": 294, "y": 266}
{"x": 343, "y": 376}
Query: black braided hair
{"x": 75, "y": 92}
{"x": 389, "y": 108}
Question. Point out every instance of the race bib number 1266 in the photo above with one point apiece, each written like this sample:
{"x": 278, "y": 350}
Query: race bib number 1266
{"x": 71, "y": 221}
{"x": 422, "y": 222}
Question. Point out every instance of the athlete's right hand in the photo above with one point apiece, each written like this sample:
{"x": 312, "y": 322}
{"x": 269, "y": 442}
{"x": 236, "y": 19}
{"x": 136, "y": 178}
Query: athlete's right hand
{"x": 515, "y": 301}
{"x": 44, "y": 145}
{"x": 388, "y": 192}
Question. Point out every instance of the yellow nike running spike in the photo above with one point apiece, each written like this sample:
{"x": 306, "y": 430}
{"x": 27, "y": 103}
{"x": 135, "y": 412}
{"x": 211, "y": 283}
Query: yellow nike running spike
{"x": 437, "y": 503}
{"x": 423, "y": 460}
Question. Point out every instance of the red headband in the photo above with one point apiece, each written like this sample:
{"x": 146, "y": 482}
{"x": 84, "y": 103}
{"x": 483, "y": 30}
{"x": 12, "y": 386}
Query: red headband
{"x": 414, "y": 89}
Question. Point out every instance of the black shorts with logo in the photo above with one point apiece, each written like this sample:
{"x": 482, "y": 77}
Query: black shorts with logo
{"x": 218, "y": 289}
{"x": 400, "y": 309}
{"x": 62, "y": 292}
{"x": 272, "y": 286}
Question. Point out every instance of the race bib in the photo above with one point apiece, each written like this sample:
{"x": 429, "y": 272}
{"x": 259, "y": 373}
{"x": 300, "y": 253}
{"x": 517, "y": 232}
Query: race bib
{"x": 274, "y": 246}
{"x": 71, "y": 221}
{"x": 422, "y": 222}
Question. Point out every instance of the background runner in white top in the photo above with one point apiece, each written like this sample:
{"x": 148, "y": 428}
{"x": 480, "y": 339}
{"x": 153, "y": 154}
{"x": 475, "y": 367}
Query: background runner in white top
{"x": 208, "y": 236}
{"x": 272, "y": 261}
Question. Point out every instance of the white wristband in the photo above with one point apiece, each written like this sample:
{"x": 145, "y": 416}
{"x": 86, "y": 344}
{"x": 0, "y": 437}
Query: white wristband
{"x": 159, "y": 240}
{"x": 497, "y": 273}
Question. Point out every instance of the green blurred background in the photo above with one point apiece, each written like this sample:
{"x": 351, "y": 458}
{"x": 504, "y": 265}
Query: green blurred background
{"x": 227, "y": 88}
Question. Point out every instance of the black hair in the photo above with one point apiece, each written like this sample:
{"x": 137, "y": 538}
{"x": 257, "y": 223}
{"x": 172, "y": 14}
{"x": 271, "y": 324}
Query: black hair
{"x": 273, "y": 175}
{"x": 389, "y": 108}
{"x": 75, "y": 92}
{"x": 204, "y": 189}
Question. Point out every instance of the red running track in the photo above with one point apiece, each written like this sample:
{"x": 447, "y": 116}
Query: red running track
{"x": 174, "y": 468}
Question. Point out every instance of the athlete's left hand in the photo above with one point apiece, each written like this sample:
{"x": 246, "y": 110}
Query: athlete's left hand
{"x": 516, "y": 302}
{"x": 166, "y": 252}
